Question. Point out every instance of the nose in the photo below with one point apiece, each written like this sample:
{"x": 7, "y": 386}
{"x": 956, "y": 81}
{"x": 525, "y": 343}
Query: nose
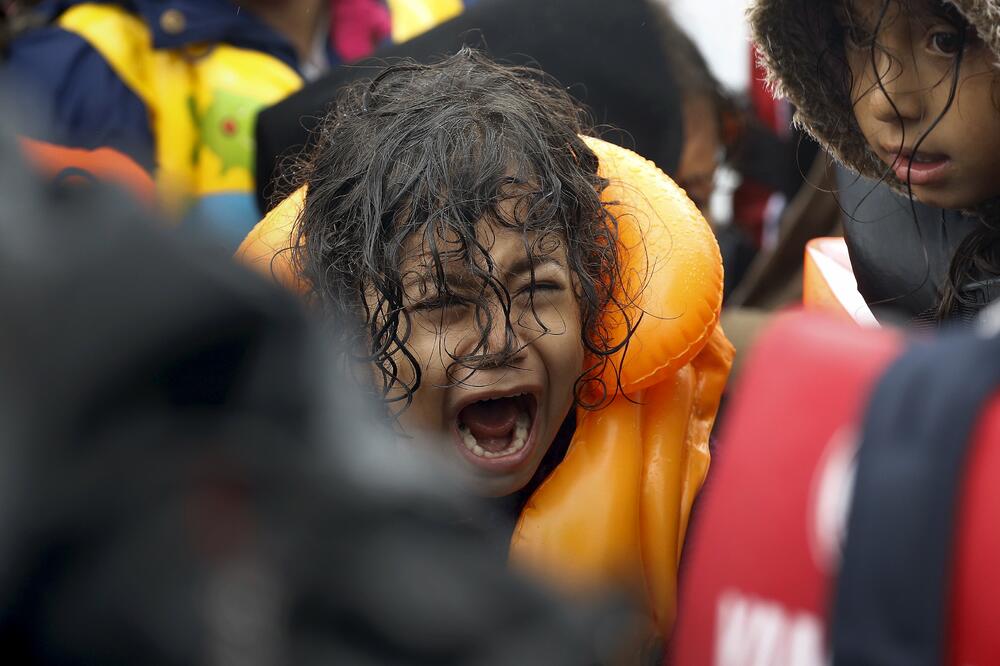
{"x": 505, "y": 343}
{"x": 495, "y": 340}
{"x": 895, "y": 95}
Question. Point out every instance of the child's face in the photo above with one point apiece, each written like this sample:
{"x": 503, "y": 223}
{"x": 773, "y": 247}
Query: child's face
{"x": 499, "y": 420}
{"x": 914, "y": 58}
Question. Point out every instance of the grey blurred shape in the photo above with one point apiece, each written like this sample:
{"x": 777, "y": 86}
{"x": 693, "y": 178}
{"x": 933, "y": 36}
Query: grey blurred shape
{"x": 186, "y": 479}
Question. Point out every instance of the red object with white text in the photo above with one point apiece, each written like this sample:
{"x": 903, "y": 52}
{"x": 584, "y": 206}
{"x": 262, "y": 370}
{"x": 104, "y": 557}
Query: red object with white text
{"x": 762, "y": 561}
{"x": 759, "y": 565}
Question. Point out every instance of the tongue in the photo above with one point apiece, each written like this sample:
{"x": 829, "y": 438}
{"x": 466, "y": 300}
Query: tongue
{"x": 491, "y": 422}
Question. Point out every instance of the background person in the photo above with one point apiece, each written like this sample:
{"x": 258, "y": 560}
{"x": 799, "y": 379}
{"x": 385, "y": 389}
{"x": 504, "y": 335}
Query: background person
{"x": 176, "y": 84}
{"x": 913, "y": 84}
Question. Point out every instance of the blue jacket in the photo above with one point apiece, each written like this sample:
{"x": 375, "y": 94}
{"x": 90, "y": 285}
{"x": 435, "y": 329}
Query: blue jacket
{"x": 174, "y": 84}
{"x": 80, "y": 99}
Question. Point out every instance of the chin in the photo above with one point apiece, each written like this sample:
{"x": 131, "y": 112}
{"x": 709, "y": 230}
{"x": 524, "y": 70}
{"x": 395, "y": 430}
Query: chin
{"x": 501, "y": 486}
{"x": 493, "y": 489}
{"x": 948, "y": 197}
{"x": 941, "y": 199}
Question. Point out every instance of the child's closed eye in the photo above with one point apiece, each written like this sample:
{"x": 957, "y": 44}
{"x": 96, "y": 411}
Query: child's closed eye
{"x": 550, "y": 286}
{"x": 440, "y": 302}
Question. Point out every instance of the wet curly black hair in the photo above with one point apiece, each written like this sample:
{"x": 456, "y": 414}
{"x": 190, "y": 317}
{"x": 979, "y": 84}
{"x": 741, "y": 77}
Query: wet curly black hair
{"x": 435, "y": 149}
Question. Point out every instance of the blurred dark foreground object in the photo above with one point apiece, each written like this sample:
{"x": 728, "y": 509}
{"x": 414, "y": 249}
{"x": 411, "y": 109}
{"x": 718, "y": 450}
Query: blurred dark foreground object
{"x": 182, "y": 486}
{"x": 852, "y": 518}
{"x": 609, "y": 55}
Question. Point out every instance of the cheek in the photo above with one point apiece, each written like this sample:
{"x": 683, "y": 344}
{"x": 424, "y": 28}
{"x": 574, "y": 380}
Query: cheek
{"x": 978, "y": 114}
{"x": 434, "y": 349}
{"x": 862, "y": 85}
{"x": 858, "y": 70}
{"x": 570, "y": 366}
{"x": 563, "y": 354}
{"x": 975, "y": 128}
{"x": 422, "y": 346}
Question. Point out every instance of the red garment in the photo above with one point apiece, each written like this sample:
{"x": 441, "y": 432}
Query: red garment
{"x": 752, "y": 199}
{"x": 761, "y": 558}
{"x": 766, "y": 108}
{"x": 762, "y": 562}
{"x": 358, "y": 27}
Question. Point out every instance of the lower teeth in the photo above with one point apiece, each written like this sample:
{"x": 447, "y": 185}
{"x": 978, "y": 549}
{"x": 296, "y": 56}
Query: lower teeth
{"x": 517, "y": 441}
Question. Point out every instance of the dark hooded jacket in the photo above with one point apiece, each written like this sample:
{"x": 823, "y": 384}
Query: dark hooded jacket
{"x": 903, "y": 261}
{"x": 610, "y": 55}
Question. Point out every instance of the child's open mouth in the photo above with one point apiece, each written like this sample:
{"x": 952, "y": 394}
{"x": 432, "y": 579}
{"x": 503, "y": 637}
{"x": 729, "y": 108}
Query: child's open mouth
{"x": 920, "y": 168}
{"x": 497, "y": 432}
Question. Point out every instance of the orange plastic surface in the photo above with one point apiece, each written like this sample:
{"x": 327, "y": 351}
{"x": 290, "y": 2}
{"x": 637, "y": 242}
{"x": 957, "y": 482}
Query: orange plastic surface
{"x": 267, "y": 248}
{"x": 828, "y": 282}
{"x": 672, "y": 263}
{"x": 616, "y": 510}
{"x": 103, "y": 164}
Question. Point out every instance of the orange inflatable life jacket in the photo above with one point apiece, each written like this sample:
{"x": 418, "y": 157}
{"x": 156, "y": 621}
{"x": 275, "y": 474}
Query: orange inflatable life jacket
{"x": 615, "y": 510}
{"x": 829, "y": 285}
{"x": 103, "y": 164}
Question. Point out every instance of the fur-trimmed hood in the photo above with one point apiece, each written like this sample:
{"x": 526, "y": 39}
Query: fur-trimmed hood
{"x": 800, "y": 49}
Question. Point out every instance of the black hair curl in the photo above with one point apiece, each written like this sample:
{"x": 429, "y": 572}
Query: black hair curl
{"x": 434, "y": 149}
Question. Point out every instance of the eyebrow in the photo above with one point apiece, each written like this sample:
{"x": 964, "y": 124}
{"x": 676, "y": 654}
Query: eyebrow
{"x": 465, "y": 280}
{"x": 527, "y": 264}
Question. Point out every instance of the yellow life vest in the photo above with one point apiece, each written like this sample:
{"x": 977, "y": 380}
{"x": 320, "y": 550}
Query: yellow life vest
{"x": 202, "y": 100}
{"x": 410, "y": 19}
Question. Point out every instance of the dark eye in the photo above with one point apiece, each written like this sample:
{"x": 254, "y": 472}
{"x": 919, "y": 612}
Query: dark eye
{"x": 442, "y": 302}
{"x": 946, "y": 43}
{"x": 544, "y": 285}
